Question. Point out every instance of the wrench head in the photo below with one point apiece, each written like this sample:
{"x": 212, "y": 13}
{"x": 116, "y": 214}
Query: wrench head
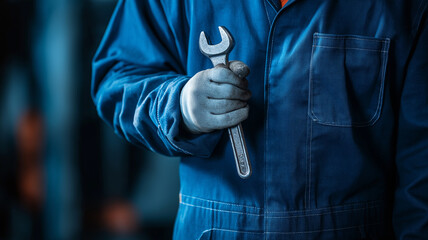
{"x": 222, "y": 48}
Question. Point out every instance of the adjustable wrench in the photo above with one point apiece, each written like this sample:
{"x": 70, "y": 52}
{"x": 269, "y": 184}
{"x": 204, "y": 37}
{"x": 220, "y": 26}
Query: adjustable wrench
{"x": 219, "y": 54}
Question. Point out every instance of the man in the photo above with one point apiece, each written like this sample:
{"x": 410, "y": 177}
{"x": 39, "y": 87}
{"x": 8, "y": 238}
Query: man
{"x": 338, "y": 128}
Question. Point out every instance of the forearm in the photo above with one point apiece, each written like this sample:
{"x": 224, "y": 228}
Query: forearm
{"x": 138, "y": 74}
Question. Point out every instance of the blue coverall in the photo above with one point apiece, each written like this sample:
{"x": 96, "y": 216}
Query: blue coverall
{"x": 338, "y": 127}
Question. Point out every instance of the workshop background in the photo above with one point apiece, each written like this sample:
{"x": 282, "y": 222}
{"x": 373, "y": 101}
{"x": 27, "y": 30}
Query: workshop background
{"x": 64, "y": 174}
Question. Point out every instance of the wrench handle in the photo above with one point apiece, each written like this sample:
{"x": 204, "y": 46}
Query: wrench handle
{"x": 243, "y": 165}
{"x": 236, "y": 134}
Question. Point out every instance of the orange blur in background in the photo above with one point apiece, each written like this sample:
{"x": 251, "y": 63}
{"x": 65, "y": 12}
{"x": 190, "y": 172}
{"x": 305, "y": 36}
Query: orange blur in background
{"x": 64, "y": 174}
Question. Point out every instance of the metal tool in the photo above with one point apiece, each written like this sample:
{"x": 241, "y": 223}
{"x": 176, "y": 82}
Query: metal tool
{"x": 219, "y": 54}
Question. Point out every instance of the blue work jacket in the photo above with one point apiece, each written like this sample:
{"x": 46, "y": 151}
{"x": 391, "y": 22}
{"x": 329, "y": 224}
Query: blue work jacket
{"x": 338, "y": 127}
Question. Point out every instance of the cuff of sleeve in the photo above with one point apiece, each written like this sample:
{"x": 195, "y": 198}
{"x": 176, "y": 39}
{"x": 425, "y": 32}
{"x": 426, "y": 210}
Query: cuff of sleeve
{"x": 171, "y": 126}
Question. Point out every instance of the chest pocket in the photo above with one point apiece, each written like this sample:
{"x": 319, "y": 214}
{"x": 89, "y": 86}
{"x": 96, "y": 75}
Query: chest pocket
{"x": 347, "y": 76}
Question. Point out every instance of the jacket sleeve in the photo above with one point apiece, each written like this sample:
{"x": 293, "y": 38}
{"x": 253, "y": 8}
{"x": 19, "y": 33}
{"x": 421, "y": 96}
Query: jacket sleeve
{"x": 410, "y": 217}
{"x": 138, "y": 73}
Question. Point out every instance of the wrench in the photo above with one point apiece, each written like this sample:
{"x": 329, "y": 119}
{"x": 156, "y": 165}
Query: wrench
{"x": 219, "y": 54}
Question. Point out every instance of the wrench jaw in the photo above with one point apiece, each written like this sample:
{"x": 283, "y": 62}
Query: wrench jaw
{"x": 215, "y": 52}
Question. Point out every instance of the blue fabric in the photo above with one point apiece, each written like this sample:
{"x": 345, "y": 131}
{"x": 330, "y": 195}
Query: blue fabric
{"x": 338, "y": 126}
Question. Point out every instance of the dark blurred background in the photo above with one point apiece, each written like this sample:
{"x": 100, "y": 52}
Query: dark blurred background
{"x": 63, "y": 172}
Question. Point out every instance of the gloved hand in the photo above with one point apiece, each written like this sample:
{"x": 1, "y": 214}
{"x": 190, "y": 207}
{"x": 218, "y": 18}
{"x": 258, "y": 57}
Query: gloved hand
{"x": 216, "y": 98}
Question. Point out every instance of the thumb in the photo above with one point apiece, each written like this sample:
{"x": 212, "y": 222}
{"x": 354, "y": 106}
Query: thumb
{"x": 239, "y": 68}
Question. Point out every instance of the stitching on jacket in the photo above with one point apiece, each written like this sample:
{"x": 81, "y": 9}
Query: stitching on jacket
{"x": 317, "y": 35}
{"x": 225, "y": 203}
{"x": 327, "y": 230}
{"x": 375, "y": 203}
{"x": 364, "y": 49}
{"x": 276, "y": 4}
{"x": 220, "y": 210}
{"x": 326, "y": 213}
{"x": 265, "y": 225}
{"x": 311, "y": 84}
{"x": 227, "y": 230}
{"x": 311, "y": 126}
{"x": 299, "y": 232}
{"x": 310, "y": 104}
{"x": 382, "y": 84}
{"x": 310, "y": 130}
{"x": 279, "y": 217}
{"x": 370, "y": 122}
{"x": 363, "y": 205}
{"x": 267, "y": 14}
{"x": 309, "y": 157}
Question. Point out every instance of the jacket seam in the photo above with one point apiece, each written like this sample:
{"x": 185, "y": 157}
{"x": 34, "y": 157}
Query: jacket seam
{"x": 346, "y": 48}
{"x": 326, "y": 213}
{"x": 374, "y": 202}
{"x": 309, "y": 163}
{"x": 282, "y": 217}
{"x": 352, "y": 37}
{"x": 274, "y": 4}
{"x": 271, "y": 44}
{"x": 297, "y": 232}
{"x": 220, "y": 210}
{"x": 266, "y": 11}
{"x": 224, "y": 203}
{"x": 368, "y": 204}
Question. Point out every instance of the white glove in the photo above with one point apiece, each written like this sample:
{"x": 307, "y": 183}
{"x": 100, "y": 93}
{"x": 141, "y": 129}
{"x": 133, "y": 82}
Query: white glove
{"x": 216, "y": 98}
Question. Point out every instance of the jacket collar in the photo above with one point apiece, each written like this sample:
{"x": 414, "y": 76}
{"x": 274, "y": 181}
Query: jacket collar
{"x": 277, "y": 3}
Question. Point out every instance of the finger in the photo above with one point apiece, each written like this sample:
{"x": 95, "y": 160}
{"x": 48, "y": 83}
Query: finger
{"x": 222, "y": 106}
{"x": 227, "y": 91}
{"x": 239, "y": 68}
{"x": 230, "y": 119}
{"x": 220, "y": 74}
